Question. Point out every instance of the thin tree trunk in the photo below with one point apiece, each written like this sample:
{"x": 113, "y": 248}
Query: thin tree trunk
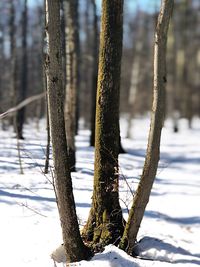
{"x": 136, "y": 72}
{"x": 13, "y": 58}
{"x": 94, "y": 72}
{"x": 86, "y": 65}
{"x": 14, "y": 75}
{"x": 20, "y": 117}
{"x": 71, "y": 77}
{"x": 63, "y": 35}
{"x": 187, "y": 92}
{"x": 78, "y": 48}
{"x": 143, "y": 191}
{"x": 172, "y": 78}
{"x": 74, "y": 246}
{"x": 2, "y": 62}
{"x": 105, "y": 222}
{"x": 47, "y": 152}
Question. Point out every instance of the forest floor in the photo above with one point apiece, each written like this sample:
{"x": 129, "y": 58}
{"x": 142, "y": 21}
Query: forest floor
{"x": 170, "y": 231}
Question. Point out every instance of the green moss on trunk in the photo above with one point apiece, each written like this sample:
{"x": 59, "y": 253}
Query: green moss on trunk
{"x": 105, "y": 223}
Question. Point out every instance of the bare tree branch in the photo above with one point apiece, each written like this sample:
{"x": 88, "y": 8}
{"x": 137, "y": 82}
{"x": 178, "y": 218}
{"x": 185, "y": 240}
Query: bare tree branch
{"x": 24, "y": 103}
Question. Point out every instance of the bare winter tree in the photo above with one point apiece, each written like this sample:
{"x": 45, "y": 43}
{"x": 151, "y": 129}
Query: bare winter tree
{"x": 143, "y": 191}
{"x": 74, "y": 246}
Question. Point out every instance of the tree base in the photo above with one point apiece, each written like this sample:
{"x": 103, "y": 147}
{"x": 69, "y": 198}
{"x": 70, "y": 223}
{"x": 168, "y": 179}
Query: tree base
{"x": 109, "y": 231}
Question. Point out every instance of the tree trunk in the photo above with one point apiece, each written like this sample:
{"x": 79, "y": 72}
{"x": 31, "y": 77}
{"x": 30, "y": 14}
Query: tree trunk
{"x": 71, "y": 9}
{"x": 139, "y": 66}
{"x": 1, "y": 67}
{"x": 187, "y": 88}
{"x": 20, "y": 118}
{"x": 94, "y": 72}
{"x": 74, "y": 246}
{"x": 47, "y": 151}
{"x": 172, "y": 99}
{"x": 13, "y": 59}
{"x": 105, "y": 222}
{"x": 143, "y": 191}
{"x": 2, "y": 64}
{"x": 63, "y": 37}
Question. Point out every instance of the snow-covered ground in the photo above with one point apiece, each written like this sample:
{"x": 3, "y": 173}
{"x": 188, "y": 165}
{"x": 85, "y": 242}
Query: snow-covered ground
{"x": 170, "y": 231}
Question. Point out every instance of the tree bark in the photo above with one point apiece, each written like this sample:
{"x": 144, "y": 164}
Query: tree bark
{"x": 94, "y": 72}
{"x": 71, "y": 8}
{"x": 105, "y": 222}
{"x": 74, "y": 246}
{"x": 143, "y": 191}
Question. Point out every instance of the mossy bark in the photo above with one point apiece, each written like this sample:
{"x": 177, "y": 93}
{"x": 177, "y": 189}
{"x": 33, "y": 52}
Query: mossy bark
{"x": 105, "y": 222}
{"x": 143, "y": 191}
{"x": 74, "y": 246}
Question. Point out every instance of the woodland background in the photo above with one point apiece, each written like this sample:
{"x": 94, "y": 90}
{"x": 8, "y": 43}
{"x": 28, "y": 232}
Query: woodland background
{"x": 183, "y": 93}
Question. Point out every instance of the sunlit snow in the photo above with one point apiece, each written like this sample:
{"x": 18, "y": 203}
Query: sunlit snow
{"x": 170, "y": 231}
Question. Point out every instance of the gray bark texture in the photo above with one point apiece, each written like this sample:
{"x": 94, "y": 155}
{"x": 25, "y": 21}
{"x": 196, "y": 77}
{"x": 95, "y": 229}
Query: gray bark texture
{"x": 142, "y": 194}
{"x": 74, "y": 246}
{"x": 71, "y": 9}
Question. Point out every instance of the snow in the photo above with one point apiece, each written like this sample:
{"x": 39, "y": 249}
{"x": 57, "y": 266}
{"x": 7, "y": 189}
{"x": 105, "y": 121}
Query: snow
{"x": 170, "y": 231}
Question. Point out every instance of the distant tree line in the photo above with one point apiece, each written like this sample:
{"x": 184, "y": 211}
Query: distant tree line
{"x": 183, "y": 94}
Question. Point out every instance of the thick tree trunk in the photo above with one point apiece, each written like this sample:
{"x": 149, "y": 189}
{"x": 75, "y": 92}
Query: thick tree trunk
{"x": 71, "y": 8}
{"x": 143, "y": 191}
{"x": 105, "y": 222}
{"x": 74, "y": 246}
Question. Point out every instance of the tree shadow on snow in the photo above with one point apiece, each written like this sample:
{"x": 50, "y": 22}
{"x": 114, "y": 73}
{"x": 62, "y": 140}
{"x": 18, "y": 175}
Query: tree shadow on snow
{"x": 35, "y": 197}
{"x": 176, "y": 220}
{"x": 21, "y": 196}
{"x": 157, "y": 249}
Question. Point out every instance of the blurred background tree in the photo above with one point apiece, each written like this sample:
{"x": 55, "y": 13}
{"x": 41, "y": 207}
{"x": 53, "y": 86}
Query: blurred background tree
{"x": 183, "y": 87}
